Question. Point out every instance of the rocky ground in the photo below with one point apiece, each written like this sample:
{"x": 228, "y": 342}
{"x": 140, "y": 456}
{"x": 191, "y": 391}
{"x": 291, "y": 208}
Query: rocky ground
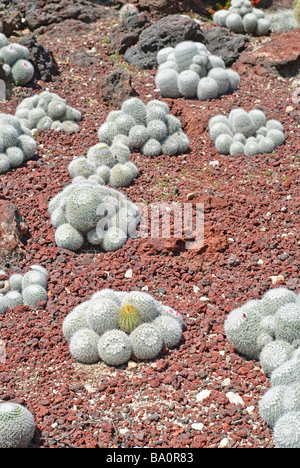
{"x": 202, "y": 394}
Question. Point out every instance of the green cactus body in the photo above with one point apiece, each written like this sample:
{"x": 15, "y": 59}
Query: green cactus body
{"x": 129, "y": 318}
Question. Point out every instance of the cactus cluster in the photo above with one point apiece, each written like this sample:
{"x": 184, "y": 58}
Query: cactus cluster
{"x": 46, "y": 111}
{"x": 108, "y": 165}
{"x": 127, "y": 10}
{"x": 267, "y": 329}
{"x": 280, "y": 405}
{"x": 248, "y": 133}
{"x": 242, "y": 18}
{"x": 15, "y": 58}
{"x": 146, "y": 128}
{"x": 88, "y": 212}
{"x": 189, "y": 70}
{"x": 282, "y": 19}
{"x": 28, "y": 289}
{"x": 113, "y": 326}
{"x": 17, "y": 425}
{"x": 16, "y": 143}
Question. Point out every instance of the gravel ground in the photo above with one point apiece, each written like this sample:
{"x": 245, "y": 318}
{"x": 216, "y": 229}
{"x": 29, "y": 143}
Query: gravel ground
{"x": 201, "y": 394}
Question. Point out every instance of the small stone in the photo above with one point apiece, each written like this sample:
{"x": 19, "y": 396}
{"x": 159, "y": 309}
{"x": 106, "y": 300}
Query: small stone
{"x": 224, "y": 443}
{"x": 190, "y": 196}
{"x": 235, "y": 398}
{"x": 197, "y": 426}
{"x": 202, "y": 395}
{"x": 128, "y": 273}
{"x": 289, "y": 109}
{"x": 225, "y": 382}
{"x": 277, "y": 279}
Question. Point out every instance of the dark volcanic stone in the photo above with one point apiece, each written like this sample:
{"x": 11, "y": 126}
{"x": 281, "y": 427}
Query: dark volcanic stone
{"x": 166, "y": 32}
{"x": 116, "y": 87}
{"x": 225, "y": 44}
{"x": 127, "y": 33}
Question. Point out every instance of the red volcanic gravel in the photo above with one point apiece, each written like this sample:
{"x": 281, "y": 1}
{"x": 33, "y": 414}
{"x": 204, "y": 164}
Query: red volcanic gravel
{"x": 183, "y": 398}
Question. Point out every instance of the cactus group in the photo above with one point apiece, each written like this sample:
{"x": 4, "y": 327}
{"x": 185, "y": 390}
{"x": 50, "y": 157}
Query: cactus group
{"x": 16, "y": 143}
{"x": 112, "y": 326}
{"x": 267, "y": 329}
{"x": 248, "y": 133}
{"x": 280, "y": 405}
{"x": 16, "y": 66}
{"x": 189, "y": 70}
{"x": 87, "y": 212}
{"x": 242, "y": 18}
{"x": 146, "y": 128}
{"x": 46, "y": 111}
{"x": 17, "y": 425}
{"x": 28, "y": 289}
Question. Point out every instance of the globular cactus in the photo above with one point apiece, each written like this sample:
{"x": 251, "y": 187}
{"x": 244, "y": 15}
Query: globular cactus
{"x": 287, "y": 430}
{"x": 102, "y": 315}
{"x": 22, "y": 72}
{"x": 243, "y": 327}
{"x": 113, "y": 240}
{"x": 3, "y": 306}
{"x": 75, "y": 320}
{"x": 46, "y": 111}
{"x": 271, "y": 404}
{"x": 170, "y": 330}
{"x": 135, "y": 127}
{"x": 84, "y": 346}
{"x": 287, "y": 323}
{"x": 147, "y": 341}
{"x": 288, "y": 372}
{"x": 114, "y": 347}
{"x": 33, "y": 294}
{"x": 275, "y": 298}
{"x": 67, "y": 237}
{"x": 274, "y": 354}
{"x": 251, "y": 130}
{"x": 17, "y": 425}
{"x": 121, "y": 324}
{"x": 13, "y": 299}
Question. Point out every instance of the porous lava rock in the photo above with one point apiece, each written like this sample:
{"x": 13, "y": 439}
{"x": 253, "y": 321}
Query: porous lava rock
{"x": 225, "y": 44}
{"x": 166, "y": 32}
{"x": 115, "y": 88}
{"x": 126, "y": 34}
{"x": 37, "y": 13}
{"x": 281, "y": 55}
